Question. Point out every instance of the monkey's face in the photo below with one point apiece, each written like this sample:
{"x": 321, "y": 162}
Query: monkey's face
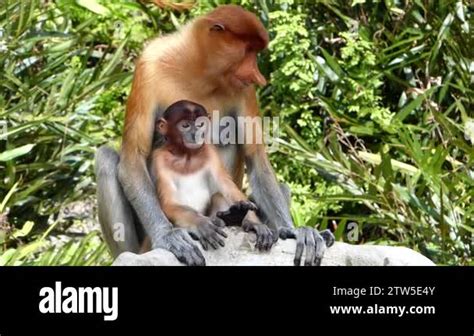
{"x": 232, "y": 39}
{"x": 192, "y": 132}
{"x": 185, "y": 125}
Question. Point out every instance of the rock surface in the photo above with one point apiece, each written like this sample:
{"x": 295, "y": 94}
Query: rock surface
{"x": 240, "y": 251}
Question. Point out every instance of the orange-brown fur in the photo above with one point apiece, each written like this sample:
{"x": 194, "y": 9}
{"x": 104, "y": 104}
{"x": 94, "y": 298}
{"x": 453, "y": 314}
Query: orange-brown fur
{"x": 193, "y": 64}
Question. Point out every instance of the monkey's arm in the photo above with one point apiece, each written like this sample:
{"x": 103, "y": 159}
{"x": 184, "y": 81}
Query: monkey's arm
{"x": 199, "y": 227}
{"x": 134, "y": 176}
{"x": 242, "y": 211}
{"x": 263, "y": 182}
{"x": 182, "y": 216}
{"x": 220, "y": 179}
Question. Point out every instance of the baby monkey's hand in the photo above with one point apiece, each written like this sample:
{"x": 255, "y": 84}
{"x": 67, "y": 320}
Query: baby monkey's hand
{"x": 236, "y": 213}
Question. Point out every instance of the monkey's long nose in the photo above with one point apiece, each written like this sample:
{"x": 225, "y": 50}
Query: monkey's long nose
{"x": 255, "y": 74}
{"x": 259, "y": 79}
{"x": 248, "y": 71}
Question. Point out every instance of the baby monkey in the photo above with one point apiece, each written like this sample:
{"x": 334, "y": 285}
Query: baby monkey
{"x": 194, "y": 189}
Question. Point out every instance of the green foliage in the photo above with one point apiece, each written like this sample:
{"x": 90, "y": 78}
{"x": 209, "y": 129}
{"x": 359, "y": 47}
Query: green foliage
{"x": 362, "y": 83}
{"x": 376, "y": 100}
{"x": 87, "y": 251}
{"x": 395, "y": 84}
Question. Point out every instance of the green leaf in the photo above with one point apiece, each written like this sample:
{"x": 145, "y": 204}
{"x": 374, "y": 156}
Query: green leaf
{"x": 175, "y": 21}
{"x": 357, "y": 2}
{"x": 414, "y": 104}
{"x": 115, "y": 60}
{"x": 322, "y": 65}
{"x": 7, "y": 197}
{"x": 94, "y": 6}
{"x": 24, "y": 231}
{"x": 443, "y": 32}
{"x": 7, "y": 256}
{"x": 397, "y": 165}
{"x": 14, "y": 153}
{"x": 341, "y": 229}
{"x": 332, "y": 62}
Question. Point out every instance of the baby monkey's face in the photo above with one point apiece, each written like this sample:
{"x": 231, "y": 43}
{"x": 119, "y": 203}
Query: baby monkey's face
{"x": 185, "y": 125}
{"x": 193, "y": 131}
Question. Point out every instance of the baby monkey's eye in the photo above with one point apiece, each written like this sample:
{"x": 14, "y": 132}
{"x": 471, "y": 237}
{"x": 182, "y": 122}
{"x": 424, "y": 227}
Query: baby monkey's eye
{"x": 199, "y": 125}
{"x": 184, "y": 125}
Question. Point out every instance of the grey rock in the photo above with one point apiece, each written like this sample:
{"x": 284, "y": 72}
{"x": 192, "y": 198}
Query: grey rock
{"x": 239, "y": 251}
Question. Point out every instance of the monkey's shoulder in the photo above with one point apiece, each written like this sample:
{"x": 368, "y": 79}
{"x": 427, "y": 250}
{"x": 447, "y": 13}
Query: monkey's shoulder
{"x": 163, "y": 46}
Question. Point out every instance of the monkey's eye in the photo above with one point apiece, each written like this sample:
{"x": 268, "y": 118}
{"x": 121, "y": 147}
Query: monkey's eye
{"x": 218, "y": 27}
{"x": 184, "y": 126}
{"x": 199, "y": 125}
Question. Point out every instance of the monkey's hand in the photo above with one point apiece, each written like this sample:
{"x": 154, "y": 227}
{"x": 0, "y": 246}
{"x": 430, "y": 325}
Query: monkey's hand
{"x": 208, "y": 234}
{"x": 315, "y": 242}
{"x": 265, "y": 237}
{"x": 236, "y": 213}
{"x": 178, "y": 242}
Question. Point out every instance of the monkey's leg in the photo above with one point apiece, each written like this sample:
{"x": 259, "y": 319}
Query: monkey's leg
{"x": 115, "y": 214}
{"x": 286, "y": 192}
{"x": 218, "y": 203}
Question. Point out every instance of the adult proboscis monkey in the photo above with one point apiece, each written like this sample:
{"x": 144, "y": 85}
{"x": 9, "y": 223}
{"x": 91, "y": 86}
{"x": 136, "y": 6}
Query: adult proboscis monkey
{"x": 212, "y": 61}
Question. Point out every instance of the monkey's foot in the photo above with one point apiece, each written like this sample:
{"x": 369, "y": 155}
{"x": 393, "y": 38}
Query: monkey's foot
{"x": 180, "y": 244}
{"x": 315, "y": 243}
{"x": 236, "y": 213}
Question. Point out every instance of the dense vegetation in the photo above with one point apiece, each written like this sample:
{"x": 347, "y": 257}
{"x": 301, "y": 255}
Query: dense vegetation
{"x": 375, "y": 100}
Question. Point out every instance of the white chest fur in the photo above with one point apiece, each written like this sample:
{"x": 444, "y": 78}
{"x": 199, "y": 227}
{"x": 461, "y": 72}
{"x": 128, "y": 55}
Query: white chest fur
{"x": 192, "y": 190}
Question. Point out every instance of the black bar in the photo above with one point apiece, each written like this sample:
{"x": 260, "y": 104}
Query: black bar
{"x": 201, "y": 298}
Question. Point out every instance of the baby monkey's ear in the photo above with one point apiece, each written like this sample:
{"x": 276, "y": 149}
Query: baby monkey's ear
{"x": 162, "y": 126}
